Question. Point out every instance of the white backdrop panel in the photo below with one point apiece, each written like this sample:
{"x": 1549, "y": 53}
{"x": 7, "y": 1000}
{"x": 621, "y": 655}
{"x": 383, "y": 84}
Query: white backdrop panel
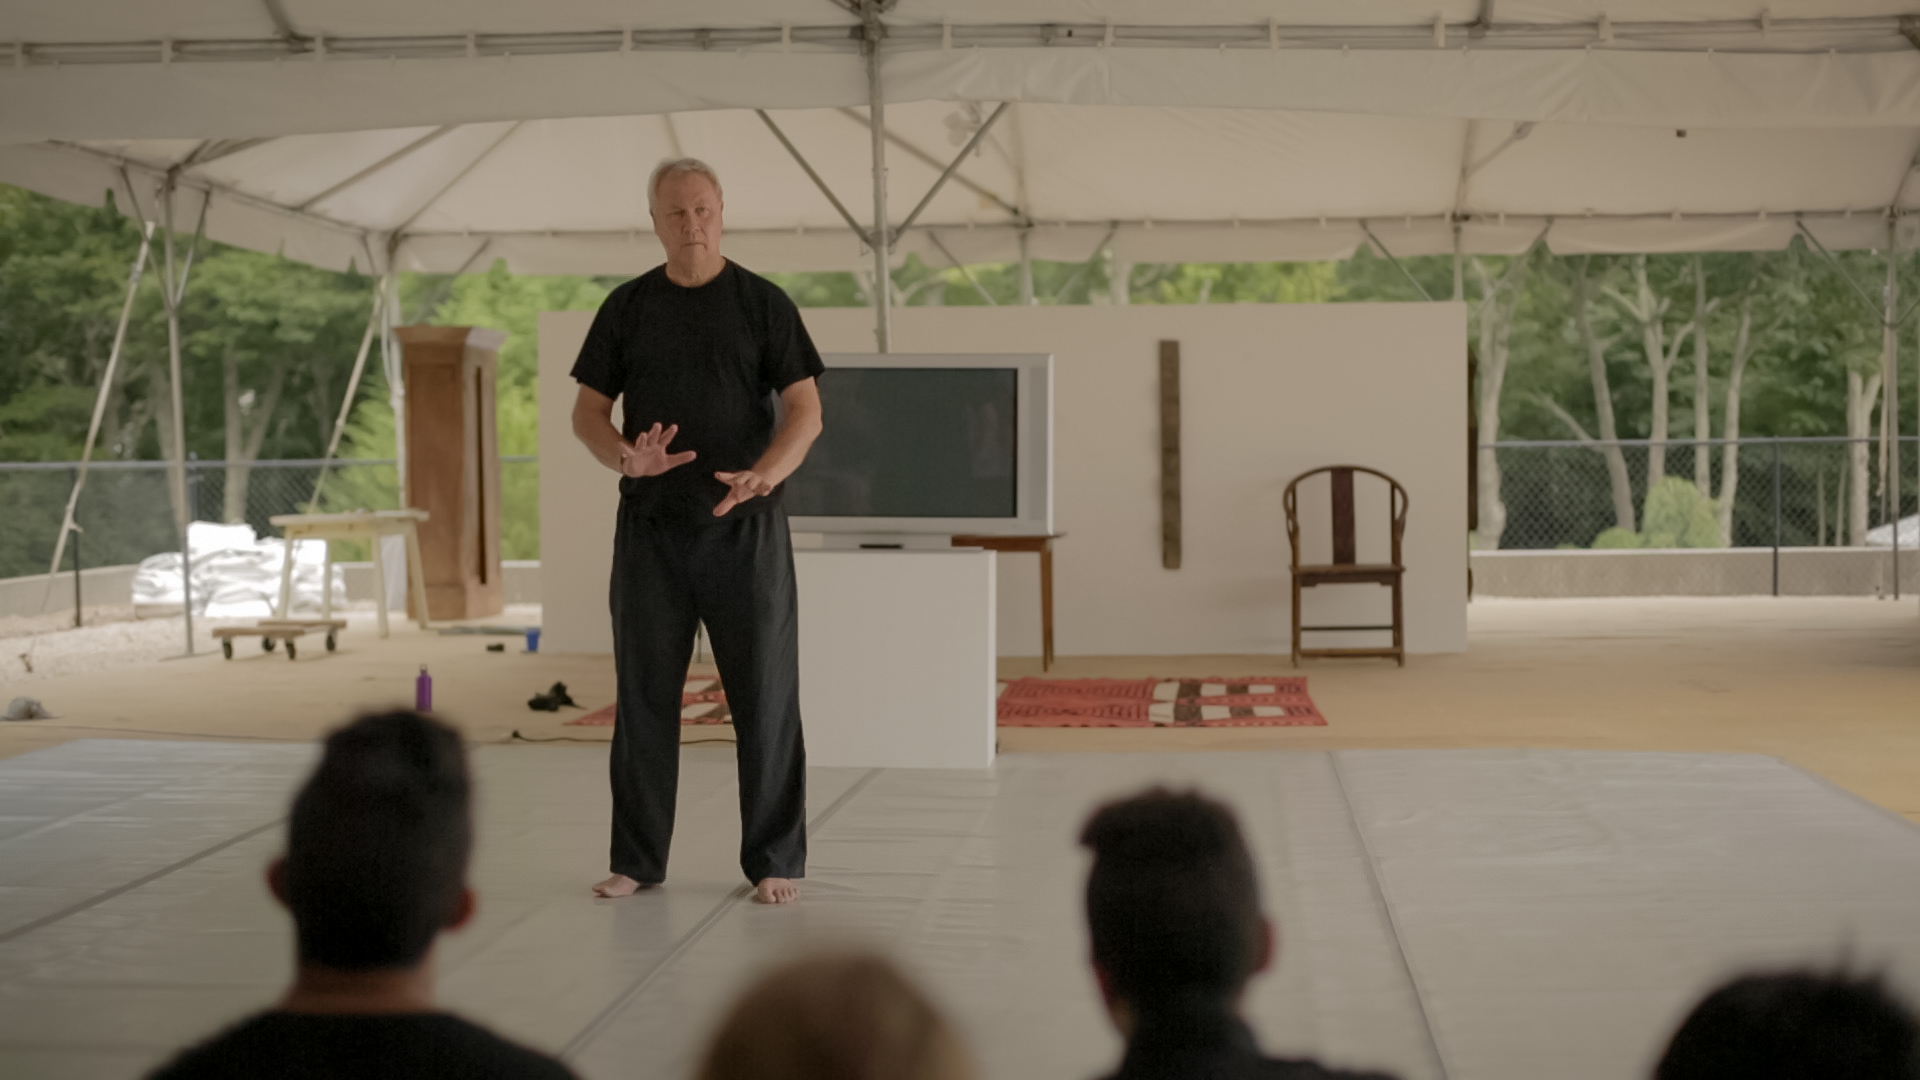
{"x": 1268, "y": 392}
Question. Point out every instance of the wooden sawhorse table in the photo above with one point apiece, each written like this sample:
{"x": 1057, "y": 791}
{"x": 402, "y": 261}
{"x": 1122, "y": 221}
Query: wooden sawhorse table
{"x": 1038, "y": 545}
{"x": 369, "y": 525}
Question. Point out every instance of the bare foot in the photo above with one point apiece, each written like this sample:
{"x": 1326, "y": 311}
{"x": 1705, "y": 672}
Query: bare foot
{"x": 617, "y": 885}
{"x": 776, "y": 890}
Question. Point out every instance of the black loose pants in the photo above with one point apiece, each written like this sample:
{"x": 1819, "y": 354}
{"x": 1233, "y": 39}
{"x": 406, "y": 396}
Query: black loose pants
{"x": 736, "y": 576}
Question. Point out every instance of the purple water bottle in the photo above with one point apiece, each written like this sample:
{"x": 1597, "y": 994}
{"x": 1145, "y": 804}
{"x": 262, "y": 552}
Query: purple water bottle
{"x": 423, "y": 691}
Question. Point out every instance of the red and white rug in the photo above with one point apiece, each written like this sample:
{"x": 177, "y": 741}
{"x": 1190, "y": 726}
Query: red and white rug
{"x": 1254, "y": 701}
{"x": 703, "y": 702}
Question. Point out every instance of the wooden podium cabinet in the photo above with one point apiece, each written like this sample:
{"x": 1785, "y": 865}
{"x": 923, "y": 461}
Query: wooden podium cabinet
{"x": 453, "y": 465}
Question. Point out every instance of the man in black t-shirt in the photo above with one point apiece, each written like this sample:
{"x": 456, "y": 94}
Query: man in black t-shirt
{"x": 1173, "y": 914}
{"x": 715, "y": 375}
{"x": 375, "y": 869}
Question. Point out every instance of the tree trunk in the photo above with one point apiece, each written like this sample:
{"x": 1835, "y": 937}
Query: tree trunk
{"x": 1649, "y": 310}
{"x": 1603, "y": 401}
{"x": 233, "y": 498}
{"x": 1862, "y": 393}
{"x": 1652, "y": 335}
{"x": 1493, "y": 373}
{"x": 162, "y": 416}
{"x": 1730, "y": 423}
{"x": 1499, "y": 299}
{"x": 1702, "y": 390}
{"x": 245, "y": 434}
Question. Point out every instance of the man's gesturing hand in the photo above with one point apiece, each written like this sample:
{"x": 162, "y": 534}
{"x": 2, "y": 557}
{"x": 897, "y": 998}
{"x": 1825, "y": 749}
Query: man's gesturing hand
{"x": 648, "y": 455}
{"x": 742, "y": 486}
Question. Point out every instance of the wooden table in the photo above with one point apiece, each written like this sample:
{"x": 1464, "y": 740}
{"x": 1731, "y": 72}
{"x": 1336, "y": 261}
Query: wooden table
{"x": 1037, "y": 545}
{"x": 369, "y": 525}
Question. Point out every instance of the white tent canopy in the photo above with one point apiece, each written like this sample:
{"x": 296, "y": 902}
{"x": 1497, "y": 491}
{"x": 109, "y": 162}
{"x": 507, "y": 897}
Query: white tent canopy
{"x": 1211, "y": 130}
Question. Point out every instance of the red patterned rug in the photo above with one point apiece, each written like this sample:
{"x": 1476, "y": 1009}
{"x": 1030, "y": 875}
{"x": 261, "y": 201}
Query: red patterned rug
{"x": 1255, "y": 701}
{"x": 703, "y": 702}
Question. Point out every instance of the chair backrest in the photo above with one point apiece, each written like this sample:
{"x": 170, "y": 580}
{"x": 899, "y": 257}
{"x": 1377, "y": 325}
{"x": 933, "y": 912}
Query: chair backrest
{"x": 1341, "y": 478}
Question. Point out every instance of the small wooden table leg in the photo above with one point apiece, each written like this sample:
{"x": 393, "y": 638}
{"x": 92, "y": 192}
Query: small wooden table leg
{"x": 326, "y": 582}
{"x": 1046, "y": 605}
{"x": 286, "y": 580}
{"x": 380, "y": 585}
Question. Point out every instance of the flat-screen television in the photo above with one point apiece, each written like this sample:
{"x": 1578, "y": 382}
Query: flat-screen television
{"x": 919, "y": 443}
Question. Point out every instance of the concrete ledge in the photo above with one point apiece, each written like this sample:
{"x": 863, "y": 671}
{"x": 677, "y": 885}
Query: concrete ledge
{"x": 100, "y": 586}
{"x": 1804, "y": 571}
{"x": 111, "y": 586}
{"x": 521, "y": 583}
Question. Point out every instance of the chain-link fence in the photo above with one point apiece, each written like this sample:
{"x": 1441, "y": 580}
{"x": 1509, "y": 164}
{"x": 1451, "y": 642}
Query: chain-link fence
{"x": 125, "y": 514}
{"x": 1818, "y": 506}
{"x": 1807, "y": 492}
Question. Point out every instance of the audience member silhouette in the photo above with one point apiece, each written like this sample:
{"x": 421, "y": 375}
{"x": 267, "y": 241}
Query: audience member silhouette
{"x": 1173, "y": 910}
{"x": 837, "y": 1016}
{"x": 1796, "y": 1025}
{"x": 375, "y": 869}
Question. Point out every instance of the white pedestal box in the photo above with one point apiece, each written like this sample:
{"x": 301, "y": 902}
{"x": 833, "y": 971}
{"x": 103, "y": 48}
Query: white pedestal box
{"x": 897, "y": 657}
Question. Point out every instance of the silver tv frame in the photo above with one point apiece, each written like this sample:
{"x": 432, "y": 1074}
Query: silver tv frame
{"x": 1033, "y": 450}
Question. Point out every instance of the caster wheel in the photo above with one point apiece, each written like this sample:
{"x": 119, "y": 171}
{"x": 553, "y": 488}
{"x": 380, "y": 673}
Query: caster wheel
{"x": 329, "y": 642}
{"x": 266, "y": 644}
{"x": 226, "y": 648}
{"x": 289, "y": 650}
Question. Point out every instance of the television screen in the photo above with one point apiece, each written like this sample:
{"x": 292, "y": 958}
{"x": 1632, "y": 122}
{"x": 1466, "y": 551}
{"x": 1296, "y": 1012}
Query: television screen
{"x": 912, "y": 442}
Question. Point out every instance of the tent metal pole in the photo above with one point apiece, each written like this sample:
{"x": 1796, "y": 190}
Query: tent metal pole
{"x": 807, "y": 167}
{"x": 394, "y": 365}
{"x": 1026, "y": 271}
{"x": 440, "y": 291}
{"x": 947, "y": 174}
{"x": 1081, "y": 270}
{"x": 353, "y": 386}
{"x": 1890, "y": 403}
{"x": 1459, "y": 266}
{"x": 1858, "y": 289}
{"x": 177, "y": 461}
{"x": 932, "y": 162}
{"x": 882, "y": 235}
{"x": 958, "y": 265}
{"x": 1397, "y": 264}
{"x": 99, "y": 411}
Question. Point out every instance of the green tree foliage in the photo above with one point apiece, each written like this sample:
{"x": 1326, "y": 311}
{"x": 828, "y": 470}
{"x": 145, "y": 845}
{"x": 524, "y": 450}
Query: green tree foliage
{"x": 63, "y": 281}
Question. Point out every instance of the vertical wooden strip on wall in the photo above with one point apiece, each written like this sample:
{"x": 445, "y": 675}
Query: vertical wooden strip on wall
{"x": 1170, "y": 454}
{"x": 1473, "y": 443}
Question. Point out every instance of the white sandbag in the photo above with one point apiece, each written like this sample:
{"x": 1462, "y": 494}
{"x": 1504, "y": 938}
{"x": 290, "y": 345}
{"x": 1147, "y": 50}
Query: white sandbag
{"x": 235, "y": 575}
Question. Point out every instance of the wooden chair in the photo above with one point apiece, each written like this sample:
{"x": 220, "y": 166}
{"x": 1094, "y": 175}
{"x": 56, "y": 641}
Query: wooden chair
{"x": 1343, "y": 570}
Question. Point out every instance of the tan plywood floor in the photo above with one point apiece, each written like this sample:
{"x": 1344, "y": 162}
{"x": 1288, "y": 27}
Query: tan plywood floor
{"x": 1832, "y": 685}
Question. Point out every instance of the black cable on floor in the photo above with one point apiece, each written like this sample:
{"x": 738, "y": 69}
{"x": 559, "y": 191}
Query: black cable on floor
{"x": 515, "y": 736}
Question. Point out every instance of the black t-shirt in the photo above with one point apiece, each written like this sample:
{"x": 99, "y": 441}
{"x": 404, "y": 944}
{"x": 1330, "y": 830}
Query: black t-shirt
{"x": 1212, "y": 1044}
{"x": 712, "y": 359}
{"x": 303, "y": 1046}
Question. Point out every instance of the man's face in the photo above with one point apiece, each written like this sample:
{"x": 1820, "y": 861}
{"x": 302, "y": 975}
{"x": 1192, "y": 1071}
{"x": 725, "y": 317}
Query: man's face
{"x": 686, "y": 215}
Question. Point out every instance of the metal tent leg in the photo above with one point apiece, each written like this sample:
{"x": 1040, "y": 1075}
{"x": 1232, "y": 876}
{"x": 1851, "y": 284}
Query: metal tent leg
{"x": 99, "y": 411}
{"x": 882, "y": 232}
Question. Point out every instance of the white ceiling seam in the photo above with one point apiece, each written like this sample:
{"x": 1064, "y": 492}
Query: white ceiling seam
{"x": 1886, "y": 33}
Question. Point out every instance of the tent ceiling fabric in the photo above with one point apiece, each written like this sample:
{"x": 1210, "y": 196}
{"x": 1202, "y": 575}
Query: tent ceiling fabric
{"x": 1205, "y": 134}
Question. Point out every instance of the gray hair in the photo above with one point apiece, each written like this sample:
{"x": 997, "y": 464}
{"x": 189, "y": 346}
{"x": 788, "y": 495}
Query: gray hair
{"x": 680, "y": 167}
